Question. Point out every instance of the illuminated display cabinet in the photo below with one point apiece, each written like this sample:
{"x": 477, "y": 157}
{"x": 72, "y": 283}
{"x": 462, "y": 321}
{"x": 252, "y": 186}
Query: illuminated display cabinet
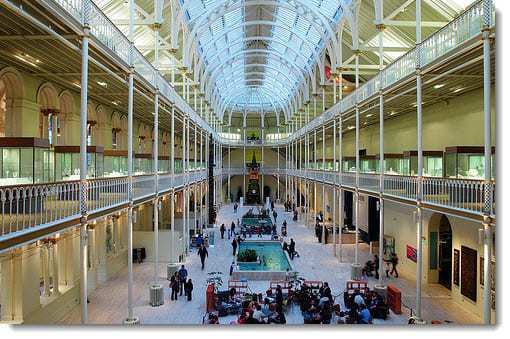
{"x": 349, "y": 164}
{"x": 67, "y": 162}
{"x": 467, "y": 162}
{"x": 142, "y": 163}
{"x": 393, "y": 163}
{"x": 368, "y": 164}
{"x": 115, "y": 163}
{"x": 432, "y": 163}
{"x": 25, "y": 160}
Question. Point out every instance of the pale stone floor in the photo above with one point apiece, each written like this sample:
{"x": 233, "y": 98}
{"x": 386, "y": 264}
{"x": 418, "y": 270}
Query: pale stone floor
{"x": 108, "y": 303}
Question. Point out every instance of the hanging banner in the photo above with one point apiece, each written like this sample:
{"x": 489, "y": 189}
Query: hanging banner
{"x": 411, "y": 253}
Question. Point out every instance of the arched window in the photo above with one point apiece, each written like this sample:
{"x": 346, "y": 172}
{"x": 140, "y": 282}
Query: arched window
{"x": 49, "y": 118}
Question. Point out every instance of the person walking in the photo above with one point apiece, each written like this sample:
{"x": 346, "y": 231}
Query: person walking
{"x": 234, "y": 246}
{"x": 232, "y": 229}
{"x": 275, "y": 215}
{"x": 188, "y": 288}
{"x": 202, "y": 252}
{"x": 376, "y": 266}
{"x": 174, "y": 286}
{"x": 394, "y": 263}
{"x": 292, "y": 248}
{"x": 183, "y": 275}
{"x": 222, "y": 231}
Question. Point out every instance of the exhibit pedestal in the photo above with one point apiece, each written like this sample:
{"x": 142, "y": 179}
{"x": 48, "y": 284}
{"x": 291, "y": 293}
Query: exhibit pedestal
{"x": 356, "y": 271}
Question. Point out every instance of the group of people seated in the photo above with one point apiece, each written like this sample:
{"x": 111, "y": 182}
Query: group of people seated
{"x": 316, "y": 304}
{"x": 362, "y": 308}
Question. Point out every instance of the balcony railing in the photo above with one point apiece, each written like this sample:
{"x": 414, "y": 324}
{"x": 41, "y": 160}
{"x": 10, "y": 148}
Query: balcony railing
{"x": 459, "y": 194}
{"x": 26, "y": 207}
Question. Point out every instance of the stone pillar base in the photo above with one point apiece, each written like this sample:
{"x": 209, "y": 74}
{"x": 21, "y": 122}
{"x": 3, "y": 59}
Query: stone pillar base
{"x": 356, "y": 271}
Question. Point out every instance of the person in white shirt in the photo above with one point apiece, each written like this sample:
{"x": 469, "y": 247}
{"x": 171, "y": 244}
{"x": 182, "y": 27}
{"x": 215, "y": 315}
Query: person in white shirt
{"x": 257, "y": 313}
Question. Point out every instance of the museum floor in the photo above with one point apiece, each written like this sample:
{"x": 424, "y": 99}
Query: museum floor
{"x": 108, "y": 303}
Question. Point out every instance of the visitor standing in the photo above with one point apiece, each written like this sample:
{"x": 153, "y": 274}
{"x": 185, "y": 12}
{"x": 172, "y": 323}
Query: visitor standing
{"x": 234, "y": 246}
{"x": 274, "y": 216}
{"x": 188, "y": 288}
{"x": 183, "y": 275}
{"x": 292, "y": 248}
{"x": 222, "y": 230}
{"x": 174, "y": 286}
{"x": 394, "y": 263}
{"x": 272, "y": 205}
{"x": 202, "y": 252}
{"x": 232, "y": 229}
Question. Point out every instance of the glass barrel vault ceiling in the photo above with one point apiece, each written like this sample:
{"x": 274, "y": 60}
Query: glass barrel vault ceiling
{"x": 256, "y": 51}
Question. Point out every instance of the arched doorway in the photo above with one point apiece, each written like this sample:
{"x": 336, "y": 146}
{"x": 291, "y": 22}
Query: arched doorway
{"x": 49, "y": 117}
{"x": 441, "y": 248}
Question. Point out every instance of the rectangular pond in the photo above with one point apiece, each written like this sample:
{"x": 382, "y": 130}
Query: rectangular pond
{"x": 273, "y": 263}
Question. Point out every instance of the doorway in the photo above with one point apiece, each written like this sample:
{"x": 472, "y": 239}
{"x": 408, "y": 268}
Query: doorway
{"x": 445, "y": 252}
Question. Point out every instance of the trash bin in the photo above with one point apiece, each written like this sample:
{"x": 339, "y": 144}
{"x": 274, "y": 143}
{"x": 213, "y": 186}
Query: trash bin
{"x": 157, "y": 296}
{"x": 356, "y": 272}
{"x": 171, "y": 269}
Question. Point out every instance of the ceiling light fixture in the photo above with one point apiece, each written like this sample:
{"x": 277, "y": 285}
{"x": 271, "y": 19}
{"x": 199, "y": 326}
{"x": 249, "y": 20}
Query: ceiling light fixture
{"x": 102, "y": 83}
{"x": 438, "y": 86}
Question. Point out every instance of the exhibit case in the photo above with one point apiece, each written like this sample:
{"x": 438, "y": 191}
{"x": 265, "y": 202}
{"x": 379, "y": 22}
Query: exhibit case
{"x": 349, "y": 164}
{"x": 142, "y": 164}
{"x": 467, "y": 162}
{"x": 163, "y": 164}
{"x": 393, "y": 163}
{"x": 368, "y": 164}
{"x": 115, "y": 163}
{"x": 432, "y": 163}
{"x": 25, "y": 160}
{"x": 67, "y": 162}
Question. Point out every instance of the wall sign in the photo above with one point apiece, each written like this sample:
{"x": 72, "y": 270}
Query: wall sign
{"x": 411, "y": 253}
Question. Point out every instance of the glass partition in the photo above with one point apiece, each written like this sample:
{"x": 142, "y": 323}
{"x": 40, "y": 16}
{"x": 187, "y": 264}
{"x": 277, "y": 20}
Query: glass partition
{"x": 432, "y": 163}
{"x": 67, "y": 162}
{"x": 115, "y": 163}
{"x": 142, "y": 164}
{"x": 466, "y": 162}
{"x": 368, "y": 164}
{"x": 393, "y": 164}
{"x": 25, "y": 161}
{"x": 349, "y": 164}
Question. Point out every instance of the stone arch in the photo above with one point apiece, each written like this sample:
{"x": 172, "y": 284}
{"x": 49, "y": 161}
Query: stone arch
{"x": 67, "y": 116}
{"x": 144, "y": 138}
{"x": 11, "y": 92}
{"x": 49, "y": 108}
{"x": 440, "y": 249}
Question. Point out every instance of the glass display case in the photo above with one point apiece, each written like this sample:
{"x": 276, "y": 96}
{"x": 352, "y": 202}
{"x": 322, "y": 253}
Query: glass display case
{"x": 432, "y": 163}
{"x": 393, "y": 164}
{"x": 67, "y": 162}
{"x": 25, "y": 161}
{"x": 368, "y": 164}
{"x": 349, "y": 164}
{"x": 142, "y": 164}
{"x": 163, "y": 164}
{"x": 115, "y": 163}
{"x": 467, "y": 162}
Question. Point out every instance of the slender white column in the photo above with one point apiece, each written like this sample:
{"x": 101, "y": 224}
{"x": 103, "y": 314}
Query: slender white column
{"x": 323, "y": 184}
{"x": 380, "y": 27}
{"x": 155, "y": 154}
{"x": 83, "y": 168}
{"x": 419, "y": 214}
{"x": 334, "y": 184}
{"x": 356, "y": 193}
{"x": 488, "y": 198}
{"x": 172, "y": 192}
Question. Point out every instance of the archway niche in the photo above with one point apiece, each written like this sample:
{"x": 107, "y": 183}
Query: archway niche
{"x": 440, "y": 250}
{"x": 49, "y": 112}
{"x": 11, "y": 90}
